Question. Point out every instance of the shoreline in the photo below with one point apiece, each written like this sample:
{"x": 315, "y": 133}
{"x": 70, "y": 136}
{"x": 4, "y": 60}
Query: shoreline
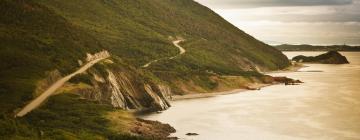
{"x": 254, "y": 86}
{"x": 213, "y": 94}
{"x": 293, "y": 68}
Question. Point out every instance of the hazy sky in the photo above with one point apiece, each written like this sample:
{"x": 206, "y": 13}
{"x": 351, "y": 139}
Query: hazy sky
{"x": 293, "y": 21}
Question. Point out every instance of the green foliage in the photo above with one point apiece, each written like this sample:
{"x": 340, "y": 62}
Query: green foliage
{"x": 65, "y": 116}
{"x": 206, "y": 83}
{"x": 137, "y": 31}
{"x": 42, "y": 35}
{"x": 35, "y": 40}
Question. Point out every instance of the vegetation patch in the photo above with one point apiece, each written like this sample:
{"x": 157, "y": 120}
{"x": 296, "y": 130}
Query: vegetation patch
{"x": 65, "y": 116}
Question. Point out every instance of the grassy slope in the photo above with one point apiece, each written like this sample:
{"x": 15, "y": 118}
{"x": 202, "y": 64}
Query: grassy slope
{"x": 43, "y": 35}
{"x": 84, "y": 120}
{"x": 35, "y": 40}
{"x": 137, "y": 31}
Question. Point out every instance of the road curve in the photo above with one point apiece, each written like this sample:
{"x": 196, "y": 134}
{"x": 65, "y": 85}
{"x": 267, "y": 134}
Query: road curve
{"x": 36, "y": 102}
{"x": 176, "y": 44}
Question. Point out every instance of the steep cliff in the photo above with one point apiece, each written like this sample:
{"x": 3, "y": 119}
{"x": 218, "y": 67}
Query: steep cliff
{"x": 122, "y": 90}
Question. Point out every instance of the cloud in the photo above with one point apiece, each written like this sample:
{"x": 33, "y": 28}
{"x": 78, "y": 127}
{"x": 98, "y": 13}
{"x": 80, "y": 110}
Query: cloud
{"x": 294, "y": 21}
{"x": 225, "y": 4}
{"x": 346, "y": 13}
{"x": 303, "y": 32}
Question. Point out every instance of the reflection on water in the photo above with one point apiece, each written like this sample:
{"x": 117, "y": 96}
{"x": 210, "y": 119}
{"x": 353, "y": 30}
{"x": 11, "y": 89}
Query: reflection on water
{"x": 325, "y": 107}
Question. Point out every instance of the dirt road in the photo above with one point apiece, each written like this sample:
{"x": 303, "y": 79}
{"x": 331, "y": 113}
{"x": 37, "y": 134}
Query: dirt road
{"x": 176, "y": 44}
{"x": 37, "y": 102}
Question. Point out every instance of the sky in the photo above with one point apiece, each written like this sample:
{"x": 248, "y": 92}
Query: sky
{"x": 317, "y": 22}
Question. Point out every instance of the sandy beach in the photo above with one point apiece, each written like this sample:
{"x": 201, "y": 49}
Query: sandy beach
{"x": 212, "y": 94}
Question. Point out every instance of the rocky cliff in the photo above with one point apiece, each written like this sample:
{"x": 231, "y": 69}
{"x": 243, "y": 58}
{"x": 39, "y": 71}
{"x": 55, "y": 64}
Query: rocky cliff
{"x": 121, "y": 89}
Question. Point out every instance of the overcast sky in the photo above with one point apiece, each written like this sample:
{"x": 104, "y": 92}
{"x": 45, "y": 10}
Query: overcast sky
{"x": 293, "y": 21}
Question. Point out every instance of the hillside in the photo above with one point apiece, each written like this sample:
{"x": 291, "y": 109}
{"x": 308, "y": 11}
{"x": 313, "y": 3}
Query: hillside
{"x": 44, "y": 40}
{"x": 287, "y": 47}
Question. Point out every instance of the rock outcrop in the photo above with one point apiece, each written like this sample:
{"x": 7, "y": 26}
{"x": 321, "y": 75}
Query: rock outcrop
{"x": 157, "y": 98}
{"x": 102, "y": 54}
{"x": 331, "y": 57}
{"x": 114, "y": 85}
{"x": 287, "y": 81}
{"x": 123, "y": 91}
{"x": 152, "y": 129}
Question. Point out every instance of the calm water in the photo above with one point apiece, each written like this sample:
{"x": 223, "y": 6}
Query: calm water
{"x": 325, "y": 107}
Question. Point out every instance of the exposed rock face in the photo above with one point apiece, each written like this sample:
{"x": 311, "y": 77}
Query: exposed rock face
{"x": 331, "y": 57}
{"x": 117, "y": 97}
{"x": 165, "y": 91}
{"x": 124, "y": 92}
{"x": 157, "y": 98}
{"x": 102, "y": 54}
{"x": 152, "y": 129}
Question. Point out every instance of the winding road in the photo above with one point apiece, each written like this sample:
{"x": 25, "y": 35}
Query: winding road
{"x": 40, "y": 99}
{"x": 51, "y": 90}
{"x": 176, "y": 44}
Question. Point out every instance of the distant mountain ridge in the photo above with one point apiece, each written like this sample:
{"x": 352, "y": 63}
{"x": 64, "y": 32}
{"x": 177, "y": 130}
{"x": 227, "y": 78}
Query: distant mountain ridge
{"x": 305, "y": 47}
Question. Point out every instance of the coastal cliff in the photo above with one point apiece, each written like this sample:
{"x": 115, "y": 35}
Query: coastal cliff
{"x": 44, "y": 40}
{"x": 120, "y": 88}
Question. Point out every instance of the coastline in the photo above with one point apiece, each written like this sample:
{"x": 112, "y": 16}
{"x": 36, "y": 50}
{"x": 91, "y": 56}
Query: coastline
{"x": 293, "y": 68}
{"x": 164, "y": 130}
{"x": 213, "y": 94}
{"x": 255, "y": 86}
{"x": 251, "y": 105}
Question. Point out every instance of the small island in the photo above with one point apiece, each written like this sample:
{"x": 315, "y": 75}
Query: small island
{"x": 331, "y": 57}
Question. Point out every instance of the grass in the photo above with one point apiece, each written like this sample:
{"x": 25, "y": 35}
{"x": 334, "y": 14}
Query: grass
{"x": 139, "y": 36}
{"x": 120, "y": 121}
{"x": 37, "y": 42}
{"x": 38, "y": 36}
{"x": 57, "y": 120}
{"x": 55, "y": 34}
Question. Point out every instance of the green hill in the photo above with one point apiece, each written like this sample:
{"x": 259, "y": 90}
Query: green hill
{"x": 40, "y": 36}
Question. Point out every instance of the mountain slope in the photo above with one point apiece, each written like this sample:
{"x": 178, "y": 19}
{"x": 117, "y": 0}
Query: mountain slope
{"x": 42, "y": 40}
{"x": 35, "y": 40}
{"x": 141, "y": 31}
{"x": 138, "y": 31}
